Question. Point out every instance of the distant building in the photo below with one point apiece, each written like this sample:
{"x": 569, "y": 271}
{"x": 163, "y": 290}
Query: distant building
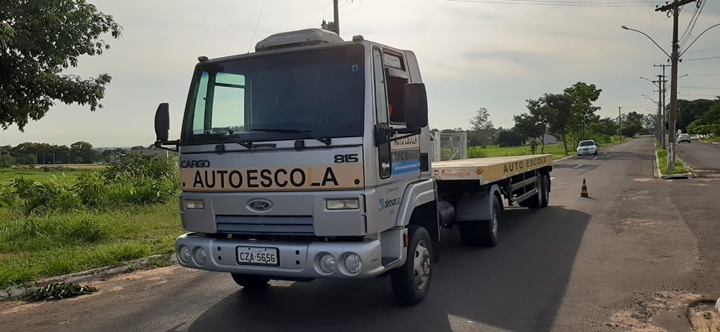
{"x": 548, "y": 139}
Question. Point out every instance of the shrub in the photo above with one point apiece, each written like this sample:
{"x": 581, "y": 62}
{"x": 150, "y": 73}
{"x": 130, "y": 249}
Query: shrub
{"x": 134, "y": 180}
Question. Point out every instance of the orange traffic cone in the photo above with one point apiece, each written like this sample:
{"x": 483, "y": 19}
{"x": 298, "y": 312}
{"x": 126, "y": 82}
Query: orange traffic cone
{"x": 584, "y": 191}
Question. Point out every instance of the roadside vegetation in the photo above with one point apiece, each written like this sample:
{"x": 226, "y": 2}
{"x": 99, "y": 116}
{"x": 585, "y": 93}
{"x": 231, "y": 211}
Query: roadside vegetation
{"x": 662, "y": 162}
{"x": 54, "y": 224}
{"x": 554, "y": 124}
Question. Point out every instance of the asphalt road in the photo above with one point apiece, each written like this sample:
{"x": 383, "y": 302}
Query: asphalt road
{"x": 569, "y": 267}
{"x": 704, "y": 158}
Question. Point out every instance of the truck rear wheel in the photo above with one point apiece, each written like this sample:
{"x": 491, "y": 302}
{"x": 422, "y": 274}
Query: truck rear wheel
{"x": 482, "y": 232}
{"x": 411, "y": 281}
{"x": 546, "y": 190}
{"x": 250, "y": 282}
{"x": 540, "y": 199}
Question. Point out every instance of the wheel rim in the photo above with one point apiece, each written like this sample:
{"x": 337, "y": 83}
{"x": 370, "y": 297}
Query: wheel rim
{"x": 421, "y": 265}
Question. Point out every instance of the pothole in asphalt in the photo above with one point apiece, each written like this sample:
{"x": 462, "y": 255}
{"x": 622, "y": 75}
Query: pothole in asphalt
{"x": 630, "y": 195}
{"x": 630, "y": 224}
{"x": 668, "y": 311}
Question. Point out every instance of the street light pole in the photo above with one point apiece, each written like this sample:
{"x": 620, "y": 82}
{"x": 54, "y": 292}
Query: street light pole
{"x": 675, "y": 7}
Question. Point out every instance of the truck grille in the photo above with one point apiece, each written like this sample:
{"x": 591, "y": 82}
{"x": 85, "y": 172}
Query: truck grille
{"x": 270, "y": 225}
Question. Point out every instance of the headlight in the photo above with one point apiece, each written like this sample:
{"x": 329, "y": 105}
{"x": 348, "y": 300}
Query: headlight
{"x": 192, "y": 204}
{"x": 342, "y": 204}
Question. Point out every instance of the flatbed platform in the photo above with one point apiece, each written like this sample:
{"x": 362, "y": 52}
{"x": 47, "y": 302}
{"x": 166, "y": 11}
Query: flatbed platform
{"x": 488, "y": 170}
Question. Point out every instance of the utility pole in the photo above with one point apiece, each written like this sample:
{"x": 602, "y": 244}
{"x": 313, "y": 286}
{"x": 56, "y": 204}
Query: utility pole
{"x": 620, "y": 121}
{"x": 336, "y": 17}
{"x": 675, "y": 7}
{"x": 663, "y": 111}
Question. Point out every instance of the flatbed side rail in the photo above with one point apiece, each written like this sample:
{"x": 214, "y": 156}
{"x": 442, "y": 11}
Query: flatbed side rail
{"x": 490, "y": 170}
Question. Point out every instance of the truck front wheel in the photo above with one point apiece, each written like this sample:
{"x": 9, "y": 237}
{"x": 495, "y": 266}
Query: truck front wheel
{"x": 250, "y": 282}
{"x": 411, "y": 281}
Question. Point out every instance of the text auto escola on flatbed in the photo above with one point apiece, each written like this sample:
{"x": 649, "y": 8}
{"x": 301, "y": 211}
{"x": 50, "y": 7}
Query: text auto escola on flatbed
{"x": 310, "y": 158}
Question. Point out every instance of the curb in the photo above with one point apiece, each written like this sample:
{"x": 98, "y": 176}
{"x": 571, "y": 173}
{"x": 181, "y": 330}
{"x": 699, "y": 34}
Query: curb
{"x": 89, "y": 275}
{"x": 658, "y": 173}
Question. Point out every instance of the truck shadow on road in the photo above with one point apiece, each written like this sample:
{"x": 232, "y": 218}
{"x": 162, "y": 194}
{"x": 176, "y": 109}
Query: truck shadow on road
{"x": 517, "y": 286}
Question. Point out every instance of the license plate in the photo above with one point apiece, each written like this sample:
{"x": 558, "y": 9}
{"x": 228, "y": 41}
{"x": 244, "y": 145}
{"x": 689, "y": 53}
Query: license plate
{"x": 258, "y": 256}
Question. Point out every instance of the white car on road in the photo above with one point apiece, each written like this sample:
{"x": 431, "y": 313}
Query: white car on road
{"x": 587, "y": 147}
{"x": 683, "y": 138}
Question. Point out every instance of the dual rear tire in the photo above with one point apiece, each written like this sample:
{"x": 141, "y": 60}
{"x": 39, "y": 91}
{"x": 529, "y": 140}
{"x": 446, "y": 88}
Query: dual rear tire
{"x": 484, "y": 233}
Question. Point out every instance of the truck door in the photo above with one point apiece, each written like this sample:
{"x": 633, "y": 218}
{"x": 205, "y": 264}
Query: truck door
{"x": 398, "y": 161}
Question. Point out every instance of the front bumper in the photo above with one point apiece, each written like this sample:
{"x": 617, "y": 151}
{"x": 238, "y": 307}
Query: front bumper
{"x": 586, "y": 152}
{"x": 296, "y": 260}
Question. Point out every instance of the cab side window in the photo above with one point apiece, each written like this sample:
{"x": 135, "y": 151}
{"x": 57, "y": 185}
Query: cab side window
{"x": 397, "y": 77}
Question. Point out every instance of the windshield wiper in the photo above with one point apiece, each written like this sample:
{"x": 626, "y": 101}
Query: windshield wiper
{"x": 324, "y": 140}
{"x": 246, "y": 144}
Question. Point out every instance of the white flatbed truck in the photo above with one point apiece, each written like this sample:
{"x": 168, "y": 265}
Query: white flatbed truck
{"x": 311, "y": 158}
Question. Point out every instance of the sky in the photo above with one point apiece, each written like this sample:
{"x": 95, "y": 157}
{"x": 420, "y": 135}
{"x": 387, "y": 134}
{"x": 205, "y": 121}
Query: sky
{"x": 494, "y": 54}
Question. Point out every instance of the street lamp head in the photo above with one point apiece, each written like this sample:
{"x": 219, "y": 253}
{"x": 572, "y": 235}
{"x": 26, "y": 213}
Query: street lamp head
{"x": 624, "y": 27}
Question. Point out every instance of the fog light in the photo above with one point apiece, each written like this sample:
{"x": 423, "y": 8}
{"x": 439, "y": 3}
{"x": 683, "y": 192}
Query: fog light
{"x": 194, "y": 204}
{"x": 184, "y": 254}
{"x": 353, "y": 263}
{"x": 200, "y": 256}
{"x": 327, "y": 263}
{"x": 342, "y": 204}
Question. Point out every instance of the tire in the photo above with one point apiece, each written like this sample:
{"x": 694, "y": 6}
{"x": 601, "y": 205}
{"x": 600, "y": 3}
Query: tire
{"x": 546, "y": 190}
{"x": 595, "y": 153}
{"x": 251, "y": 282}
{"x": 482, "y": 233}
{"x": 419, "y": 260}
{"x": 537, "y": 200}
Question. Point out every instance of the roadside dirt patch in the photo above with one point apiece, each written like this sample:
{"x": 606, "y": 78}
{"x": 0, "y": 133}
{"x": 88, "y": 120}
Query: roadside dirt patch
{"x": 704, "y": 317}
{"x": 638, "y": 317}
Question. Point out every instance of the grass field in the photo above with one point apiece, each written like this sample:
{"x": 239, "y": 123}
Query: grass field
{"x": 68, "y": 219}
{"x": 55, "y": 173}
{"x": 52, "y": 245}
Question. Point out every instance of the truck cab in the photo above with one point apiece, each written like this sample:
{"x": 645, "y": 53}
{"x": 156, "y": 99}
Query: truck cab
{"x": 307, "y": 159}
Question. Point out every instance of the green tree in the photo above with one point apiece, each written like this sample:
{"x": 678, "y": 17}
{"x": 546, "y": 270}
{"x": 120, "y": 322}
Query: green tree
{"x": 6, "y": 160}
{"x": 557, "y": 109}
{"x": 39, "y": 40}
{"x": 582, "y": 96}
{"x": 482, "y": 131}
{"x": 531, "y": 125}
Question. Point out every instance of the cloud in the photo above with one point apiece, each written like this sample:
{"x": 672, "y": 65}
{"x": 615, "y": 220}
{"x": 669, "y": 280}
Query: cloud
{"x": 471, "y": 55}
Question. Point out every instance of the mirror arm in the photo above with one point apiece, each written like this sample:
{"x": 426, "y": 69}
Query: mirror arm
{"x": 175, "y": 143}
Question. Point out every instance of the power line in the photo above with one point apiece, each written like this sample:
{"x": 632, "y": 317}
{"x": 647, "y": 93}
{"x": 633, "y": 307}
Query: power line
{"x": 707, "y": 74}
{"x": 706, "y": 58}
{"x": 569, "y": 3}
{"x": 693, "y": 20}
{"x": 698, "y": 87}
{"x": 706, "y": 49}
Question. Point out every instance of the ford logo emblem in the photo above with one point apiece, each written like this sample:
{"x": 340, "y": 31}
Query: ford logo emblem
{"x": 259, "y": 205}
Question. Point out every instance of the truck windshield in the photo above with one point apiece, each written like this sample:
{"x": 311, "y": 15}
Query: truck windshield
{"x": 310, "y": 93}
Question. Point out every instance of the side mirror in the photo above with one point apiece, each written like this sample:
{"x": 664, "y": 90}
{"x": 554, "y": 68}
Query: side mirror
{"x": 162, "y": 122}
{"x": 415, "y": 105}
